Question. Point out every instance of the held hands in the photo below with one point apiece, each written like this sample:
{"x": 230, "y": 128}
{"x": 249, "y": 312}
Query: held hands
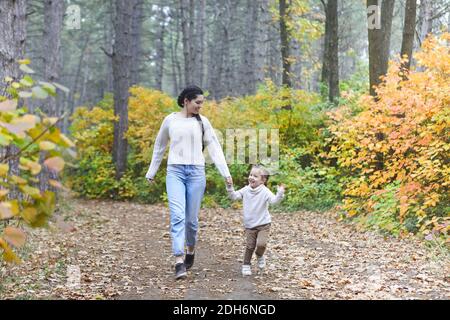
{"x": 229, "y": 181}
{"x": 281, "y": 187}
{"x": 150, "y": 181}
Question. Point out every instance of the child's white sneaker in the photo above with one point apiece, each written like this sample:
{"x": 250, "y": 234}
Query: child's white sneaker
{"x": 261, "y": 262}
{"x": 246, "y": 270}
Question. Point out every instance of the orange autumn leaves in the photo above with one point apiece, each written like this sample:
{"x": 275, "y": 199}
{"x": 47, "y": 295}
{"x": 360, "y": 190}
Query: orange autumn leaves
{"x": 402, "y": 137}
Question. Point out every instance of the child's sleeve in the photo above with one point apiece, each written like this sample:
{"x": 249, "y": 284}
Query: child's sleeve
{"x": 274, "y": 199}
{"x": 235, "y": 195}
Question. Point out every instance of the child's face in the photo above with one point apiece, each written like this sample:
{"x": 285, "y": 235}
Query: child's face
{"x": 255, "y": 178}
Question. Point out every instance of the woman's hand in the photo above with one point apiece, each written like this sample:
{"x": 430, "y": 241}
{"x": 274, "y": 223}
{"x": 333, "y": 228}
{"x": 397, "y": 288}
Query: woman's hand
{"x": 229, "y": 181}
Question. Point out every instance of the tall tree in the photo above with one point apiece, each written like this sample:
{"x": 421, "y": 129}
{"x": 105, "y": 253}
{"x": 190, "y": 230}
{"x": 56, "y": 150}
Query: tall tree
{"x": 160, "y": 49}
{"x": 284, "y": 37}
{"x": 379, "y": 41}
{"x": 136, "y": 34}
{"x": 53, "y": 23}
{"x": 199, "y": 71}
{"x": 248, "y": 52}
{"x": 409, "y": 32}
{"x": 330, "y": 69}
{"x": 186, "y": 9}
{"x": 12, "y": 37}
{"x": 122, "y": 65}
{"x": 13, "y": 21}
{"x": 425, "y": 19}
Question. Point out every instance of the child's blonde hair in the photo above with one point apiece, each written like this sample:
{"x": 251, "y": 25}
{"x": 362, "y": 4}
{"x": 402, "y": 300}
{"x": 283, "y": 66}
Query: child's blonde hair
{"x": 264, "y": 172}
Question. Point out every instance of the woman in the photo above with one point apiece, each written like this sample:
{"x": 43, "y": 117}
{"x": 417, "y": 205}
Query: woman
{"x": 189, "y": 133}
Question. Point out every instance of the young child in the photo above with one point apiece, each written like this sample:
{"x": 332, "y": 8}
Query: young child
{"x": 256, "y": 198}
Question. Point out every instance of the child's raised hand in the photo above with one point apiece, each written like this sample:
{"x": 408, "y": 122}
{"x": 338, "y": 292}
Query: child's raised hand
{"x": 281, "y": 187}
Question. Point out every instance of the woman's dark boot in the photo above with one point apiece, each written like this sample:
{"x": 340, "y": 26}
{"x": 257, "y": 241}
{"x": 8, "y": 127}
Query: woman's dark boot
{"x": 189, "y": 260}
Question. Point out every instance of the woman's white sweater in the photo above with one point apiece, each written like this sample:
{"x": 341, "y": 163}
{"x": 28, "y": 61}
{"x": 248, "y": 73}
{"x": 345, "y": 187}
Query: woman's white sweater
{"x": 185, "y": 135}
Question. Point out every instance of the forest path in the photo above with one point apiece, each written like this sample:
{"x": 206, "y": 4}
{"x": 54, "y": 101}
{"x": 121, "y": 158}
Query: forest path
{"x": 123, "y": 251}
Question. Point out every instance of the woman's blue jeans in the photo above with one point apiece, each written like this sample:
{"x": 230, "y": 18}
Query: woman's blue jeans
{"x": 185, "y": 188}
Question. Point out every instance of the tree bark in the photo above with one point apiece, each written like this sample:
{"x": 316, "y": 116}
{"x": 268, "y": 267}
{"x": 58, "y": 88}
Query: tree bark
{"x": 284, "y": 37}
{"x": 160, "y": 49}
{"x": 408, "y": 33}
{"x": 12, "y": 38}
{"x": 425, "y": 20}
{"x": 333, "y": 50}
{"x": 185, "y": 30}
{"x": 122, "y": 65}
{"x": 200, "y": 47}
{"x": 136, "y": 35}
{"x": 53, "y": 23}
{"x": 248, "y": 52}
{"x": 379, "y": 44}
{"x": 13, "y": 34}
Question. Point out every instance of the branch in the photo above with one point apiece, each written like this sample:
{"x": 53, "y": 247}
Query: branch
{"x": 109, "y": 54}
{"x": 7, "y": 158}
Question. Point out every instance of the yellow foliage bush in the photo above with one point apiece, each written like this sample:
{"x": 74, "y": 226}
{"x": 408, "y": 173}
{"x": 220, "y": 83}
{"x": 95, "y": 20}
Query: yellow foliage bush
{"x": 401, "y": 138}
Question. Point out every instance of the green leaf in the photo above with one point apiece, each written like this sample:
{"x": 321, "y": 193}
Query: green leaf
{"x": 39, "y": 93}
{"x": 27, "y": 81}
{"x": 25, "y": 94}
{"x": 26, "y": 68}
{"x": 61, "y": 87}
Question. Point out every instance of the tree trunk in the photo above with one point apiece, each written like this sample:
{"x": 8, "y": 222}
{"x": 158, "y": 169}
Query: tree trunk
{"x": 325, "y": 77}
{"x": 109, "y": 36}
{"x": 136, "y": 48}
{"x": 408, "y": 33}
{"x": 379, "y": 44}
{"x": 262, "y": 41}
{"x": 160, "y": 52}
{"x": 185, "y": 30}
{"x": 122, "y": 65}
{"x": 200, "y": 47}
{"x": 425, "y": 20}
{"x": 248, "y": 52}
{"x": 53, "y": 23}
{"x": 284, "y": 37}
{"x": 176, "y": 68}
{"x": 333, "y": 50}
{"x": 12, "y": 46}
{"x": 12, "y": 37}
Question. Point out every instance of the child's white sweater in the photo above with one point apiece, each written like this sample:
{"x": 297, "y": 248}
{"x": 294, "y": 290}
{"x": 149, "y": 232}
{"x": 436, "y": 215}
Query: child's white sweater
{"x": 256, "y": 203}
{"x": 186, "y": 144}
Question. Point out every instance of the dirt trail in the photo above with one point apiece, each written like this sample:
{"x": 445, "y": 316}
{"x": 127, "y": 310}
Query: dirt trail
{"x": 122, "y": 251}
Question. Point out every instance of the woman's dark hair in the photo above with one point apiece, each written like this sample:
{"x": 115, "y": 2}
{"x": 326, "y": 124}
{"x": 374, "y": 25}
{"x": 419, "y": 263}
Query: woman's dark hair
{"x": 190, "y": 92}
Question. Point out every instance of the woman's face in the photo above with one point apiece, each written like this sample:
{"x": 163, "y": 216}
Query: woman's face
{"x": 194, "y": 106}
{"x": 255, "y": 179}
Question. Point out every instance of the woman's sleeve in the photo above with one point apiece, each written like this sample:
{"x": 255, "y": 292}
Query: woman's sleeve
{"x": 158, "y": 149}
{"x": 214, "y": 149}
